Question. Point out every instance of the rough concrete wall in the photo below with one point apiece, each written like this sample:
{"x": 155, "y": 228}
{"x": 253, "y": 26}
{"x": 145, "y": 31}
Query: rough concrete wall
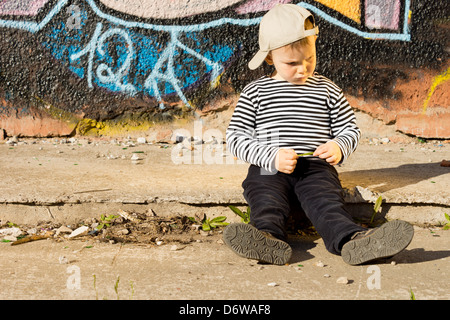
{"x": 95, "y": 65}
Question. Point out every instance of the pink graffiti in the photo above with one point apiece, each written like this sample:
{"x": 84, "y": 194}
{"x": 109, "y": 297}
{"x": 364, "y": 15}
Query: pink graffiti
{"x": 382, "y": 14}
{"x": 21, "y": 8}
{"x": 258, "y": 5}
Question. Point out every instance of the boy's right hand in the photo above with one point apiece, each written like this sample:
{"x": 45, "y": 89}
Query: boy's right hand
{"x": 286, "y": 160}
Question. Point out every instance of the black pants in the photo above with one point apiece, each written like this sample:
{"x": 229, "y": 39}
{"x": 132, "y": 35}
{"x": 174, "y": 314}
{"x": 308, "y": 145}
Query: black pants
{"x": 316, "y": 185}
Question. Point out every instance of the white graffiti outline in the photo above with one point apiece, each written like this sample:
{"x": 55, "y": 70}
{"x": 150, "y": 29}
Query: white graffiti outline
{"x": 35, "y": 27}
{"x": 97, "y": 42}
{"x": 169, "y": 75}
{"x": 121, "y": 73}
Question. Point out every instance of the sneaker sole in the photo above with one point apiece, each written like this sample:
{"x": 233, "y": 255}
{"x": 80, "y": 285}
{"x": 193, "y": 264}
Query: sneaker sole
{"x": 248, "y": 242}
{"x": 386, "y": 241}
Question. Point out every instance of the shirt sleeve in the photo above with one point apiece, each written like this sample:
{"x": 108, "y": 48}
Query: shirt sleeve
{"x": 242, "y": 141}
{"x": 344, "y": 129}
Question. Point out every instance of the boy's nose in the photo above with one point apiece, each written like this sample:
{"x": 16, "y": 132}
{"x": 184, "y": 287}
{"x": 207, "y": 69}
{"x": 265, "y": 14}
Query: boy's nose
{"x": 301, "y": 68}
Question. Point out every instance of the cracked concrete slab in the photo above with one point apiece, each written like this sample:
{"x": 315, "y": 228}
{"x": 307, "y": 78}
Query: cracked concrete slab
{"x": 45, "y": 178}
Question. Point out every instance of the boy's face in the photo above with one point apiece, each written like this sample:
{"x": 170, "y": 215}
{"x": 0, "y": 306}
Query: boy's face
{"x": 294, "y": 63}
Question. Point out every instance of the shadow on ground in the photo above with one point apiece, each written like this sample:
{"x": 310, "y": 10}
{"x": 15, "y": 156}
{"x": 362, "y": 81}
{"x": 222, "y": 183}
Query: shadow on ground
{"x": 386, "y": 179}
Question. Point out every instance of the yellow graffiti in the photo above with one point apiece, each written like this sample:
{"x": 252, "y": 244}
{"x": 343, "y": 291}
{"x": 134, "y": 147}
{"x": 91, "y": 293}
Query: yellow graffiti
{"x": 57, "y": 113}
{"x": 438, "y": 80}
{"x": 91, "y": 127}
{"x": 349, "y": 8}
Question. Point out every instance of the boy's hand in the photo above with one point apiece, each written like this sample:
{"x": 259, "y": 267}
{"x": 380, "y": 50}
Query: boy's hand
{"x": 286, "y": 160}
{"x": 329, "y": 151}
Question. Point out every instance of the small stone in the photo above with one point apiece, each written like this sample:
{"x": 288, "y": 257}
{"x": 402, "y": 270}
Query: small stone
{"x": 123, "y": 232}
{"x": 14, "y": 231}
{"x": 135, "y": 157}
{"x": 63, "y": 229}
{"x": 179, "y": 138}
{"x": 141, "y": 140}
{"x": 78, "y": 232}
{"x": 445, "y": 163}
{"x": 320, "y": 264}
{"x": 326, "y": 275}
{"x": 63, "y": 260}
{"x": 342, "y": 280}
{"x": 393, "y": 263}
{"x": 272, "y": 284}
{"x": 32, "y": 231}
{"x": 12, "y": 141}
{"x": 10, "y": 238}
{"x": 159, "y": 242}
{"x": 196, "y": 140}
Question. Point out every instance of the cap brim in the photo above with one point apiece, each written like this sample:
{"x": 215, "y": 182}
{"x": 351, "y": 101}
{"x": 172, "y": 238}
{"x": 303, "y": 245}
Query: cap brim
{"x": 257, "y": 59}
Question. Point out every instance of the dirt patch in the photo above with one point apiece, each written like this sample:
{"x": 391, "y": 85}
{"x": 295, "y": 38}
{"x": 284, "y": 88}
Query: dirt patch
{"x": 134, "y": 228}
{"x": 123, "y": 227}
{"x": 149, "y": 229}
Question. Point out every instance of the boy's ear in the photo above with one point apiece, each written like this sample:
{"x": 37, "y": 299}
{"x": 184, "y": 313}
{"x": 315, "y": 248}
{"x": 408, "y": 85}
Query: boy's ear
{"x": 269, "y": 59}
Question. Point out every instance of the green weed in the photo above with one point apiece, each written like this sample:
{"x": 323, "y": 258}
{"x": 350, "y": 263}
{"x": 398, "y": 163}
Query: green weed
{"x": 376, "y": 208}
{"x": 411, "y": 295}
{"x": 245, "y": 216}
{"x": 209, "y": 224}
{"x": 447, "y": 225}
{"x": 105, "y": 221}
{"x": 116, "y": 288}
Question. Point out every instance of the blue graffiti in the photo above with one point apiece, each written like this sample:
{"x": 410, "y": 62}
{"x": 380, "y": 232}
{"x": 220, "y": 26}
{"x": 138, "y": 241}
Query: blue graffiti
{"x": 141, "y": 62}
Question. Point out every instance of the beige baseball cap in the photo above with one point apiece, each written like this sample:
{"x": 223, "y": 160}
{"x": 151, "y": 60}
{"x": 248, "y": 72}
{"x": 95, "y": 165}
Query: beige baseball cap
{"x": 280, "y": 26}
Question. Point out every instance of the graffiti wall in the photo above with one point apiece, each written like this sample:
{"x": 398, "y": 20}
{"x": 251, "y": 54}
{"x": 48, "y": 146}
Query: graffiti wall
{"x": 71, "y": 66}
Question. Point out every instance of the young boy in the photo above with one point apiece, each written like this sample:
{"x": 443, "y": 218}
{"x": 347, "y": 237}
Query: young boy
{"x": 293, "y": 111}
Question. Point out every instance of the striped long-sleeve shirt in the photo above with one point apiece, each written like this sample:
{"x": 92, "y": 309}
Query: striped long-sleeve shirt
{"x": 273, "y": 114}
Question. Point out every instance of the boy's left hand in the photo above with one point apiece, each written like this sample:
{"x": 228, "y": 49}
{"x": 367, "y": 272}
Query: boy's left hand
{"x": 329, "y": 151}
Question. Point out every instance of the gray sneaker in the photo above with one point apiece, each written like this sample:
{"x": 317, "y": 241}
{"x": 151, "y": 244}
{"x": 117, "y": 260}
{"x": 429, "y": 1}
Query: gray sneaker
{"x": 382, "y": 242}
{"x": 248, "y": 242}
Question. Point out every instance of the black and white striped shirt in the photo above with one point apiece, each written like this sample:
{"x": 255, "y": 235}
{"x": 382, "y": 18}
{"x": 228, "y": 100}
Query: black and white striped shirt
{"x": 273, "y": 114}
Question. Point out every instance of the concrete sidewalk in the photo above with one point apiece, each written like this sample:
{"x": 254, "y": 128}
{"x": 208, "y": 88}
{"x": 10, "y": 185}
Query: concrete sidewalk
{"x": 208, "y": 270}
{"x": 60, "y": 181}
{"x": 69, "y": 181}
